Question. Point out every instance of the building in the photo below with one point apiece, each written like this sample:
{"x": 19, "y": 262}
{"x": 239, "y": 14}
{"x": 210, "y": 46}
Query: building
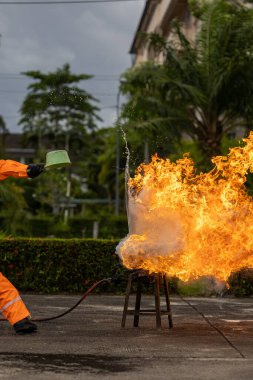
{"x": 13, "y": 148}
{"x": 156, "y": 18}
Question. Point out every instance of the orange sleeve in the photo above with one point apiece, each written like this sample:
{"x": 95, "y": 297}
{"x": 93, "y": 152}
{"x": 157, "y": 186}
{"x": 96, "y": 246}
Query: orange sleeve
{"x": 9, "y": 168}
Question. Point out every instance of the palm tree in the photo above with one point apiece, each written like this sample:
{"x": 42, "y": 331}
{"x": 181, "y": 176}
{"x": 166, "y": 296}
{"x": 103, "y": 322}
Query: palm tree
{"x": 205, "y": 86}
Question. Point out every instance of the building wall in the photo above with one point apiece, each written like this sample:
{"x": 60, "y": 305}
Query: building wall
{"x": 156, "y": 18}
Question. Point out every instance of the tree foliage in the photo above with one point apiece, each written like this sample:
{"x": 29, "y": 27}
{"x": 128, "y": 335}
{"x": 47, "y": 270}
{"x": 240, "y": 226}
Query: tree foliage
{"x": 57, "y": 108}
{"x": 13, "y": 207}
{"x": 203, "y": 87}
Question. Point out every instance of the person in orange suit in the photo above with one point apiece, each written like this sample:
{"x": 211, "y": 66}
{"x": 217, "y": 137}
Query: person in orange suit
{"x": 11, "y": 304}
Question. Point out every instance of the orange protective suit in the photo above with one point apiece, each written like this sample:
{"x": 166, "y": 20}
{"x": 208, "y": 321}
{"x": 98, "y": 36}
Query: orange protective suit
{"x": 11, "y": 304}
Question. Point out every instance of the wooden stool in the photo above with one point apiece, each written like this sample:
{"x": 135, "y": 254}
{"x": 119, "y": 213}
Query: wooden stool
{"x": 158, "y": 280}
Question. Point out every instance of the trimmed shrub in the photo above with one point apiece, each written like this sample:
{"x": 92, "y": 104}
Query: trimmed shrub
{"x": 64, "y": 265}
{"x": 59, "y": 265}
{"x": 73, "y": 265}
{"x": 241, "y": 282}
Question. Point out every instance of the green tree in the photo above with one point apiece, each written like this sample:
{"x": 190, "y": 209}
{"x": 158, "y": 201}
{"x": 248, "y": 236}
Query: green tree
{"x": 13, "y": 207}
{"x": 204, "y": 87}
{"x": 100, "y": 167}
{"x": 58, "y": 114}
{"x": 57, "y": 108}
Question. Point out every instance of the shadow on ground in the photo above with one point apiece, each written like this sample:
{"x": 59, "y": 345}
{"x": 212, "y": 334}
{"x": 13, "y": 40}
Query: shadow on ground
{"x": 62, "y": 363}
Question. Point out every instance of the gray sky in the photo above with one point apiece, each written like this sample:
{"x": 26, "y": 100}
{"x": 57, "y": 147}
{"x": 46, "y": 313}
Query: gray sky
{"x": 93, "y": 38}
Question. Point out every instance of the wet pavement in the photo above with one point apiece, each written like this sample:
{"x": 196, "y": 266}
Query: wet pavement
{"x": 212, "y": 338}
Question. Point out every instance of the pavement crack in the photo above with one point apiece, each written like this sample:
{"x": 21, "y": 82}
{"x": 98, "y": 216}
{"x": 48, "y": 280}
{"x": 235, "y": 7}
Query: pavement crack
{"x": 214, "y": 327}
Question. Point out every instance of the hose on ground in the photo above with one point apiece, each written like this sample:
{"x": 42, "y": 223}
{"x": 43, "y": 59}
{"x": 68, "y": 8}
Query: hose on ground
{"x": 85, "y": 295}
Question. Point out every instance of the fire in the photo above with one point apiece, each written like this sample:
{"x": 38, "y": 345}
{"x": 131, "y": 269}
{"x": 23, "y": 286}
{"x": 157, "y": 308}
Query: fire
{"x": 187, "y": 224}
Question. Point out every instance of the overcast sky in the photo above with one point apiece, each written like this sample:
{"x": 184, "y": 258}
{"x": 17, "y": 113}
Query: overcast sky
{"x": 92, "y": 38}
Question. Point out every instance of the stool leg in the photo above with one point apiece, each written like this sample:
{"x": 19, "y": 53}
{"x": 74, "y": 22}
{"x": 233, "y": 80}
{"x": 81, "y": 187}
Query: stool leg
{"x": 137, "y": 305}
{"x": 157, "y": 301}
{"x": 166, "y": 292}
{"x": 128, "y": 290}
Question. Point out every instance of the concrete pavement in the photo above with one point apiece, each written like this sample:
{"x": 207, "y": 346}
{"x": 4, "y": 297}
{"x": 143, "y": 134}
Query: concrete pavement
{"x": 212, "y": 339}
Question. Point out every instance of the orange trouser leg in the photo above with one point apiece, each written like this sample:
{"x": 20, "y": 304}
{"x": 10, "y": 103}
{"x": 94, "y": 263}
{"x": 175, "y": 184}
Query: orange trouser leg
{"x": 11, "y": 304}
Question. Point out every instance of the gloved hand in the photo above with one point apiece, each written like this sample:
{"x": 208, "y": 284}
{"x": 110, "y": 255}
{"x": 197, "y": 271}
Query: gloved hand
{"x": 34, "y": 170}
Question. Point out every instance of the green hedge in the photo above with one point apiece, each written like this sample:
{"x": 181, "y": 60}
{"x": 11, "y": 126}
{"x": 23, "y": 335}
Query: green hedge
{"x": 241, "y": 283}
{"x": 59, "y": 265}
{"x": 64, "y": 265}
{"x": 73, "y": 265}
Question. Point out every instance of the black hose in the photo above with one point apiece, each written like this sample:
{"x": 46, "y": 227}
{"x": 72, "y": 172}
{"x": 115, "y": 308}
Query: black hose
{"x": 85, "y": 295}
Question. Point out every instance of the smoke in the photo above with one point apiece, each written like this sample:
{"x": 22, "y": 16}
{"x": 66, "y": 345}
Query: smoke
{"x": 204, "y": 286}
{"x": 152, "y": 231}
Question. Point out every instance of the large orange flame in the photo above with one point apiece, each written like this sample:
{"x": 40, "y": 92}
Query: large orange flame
{"x": 191, "y": 225}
